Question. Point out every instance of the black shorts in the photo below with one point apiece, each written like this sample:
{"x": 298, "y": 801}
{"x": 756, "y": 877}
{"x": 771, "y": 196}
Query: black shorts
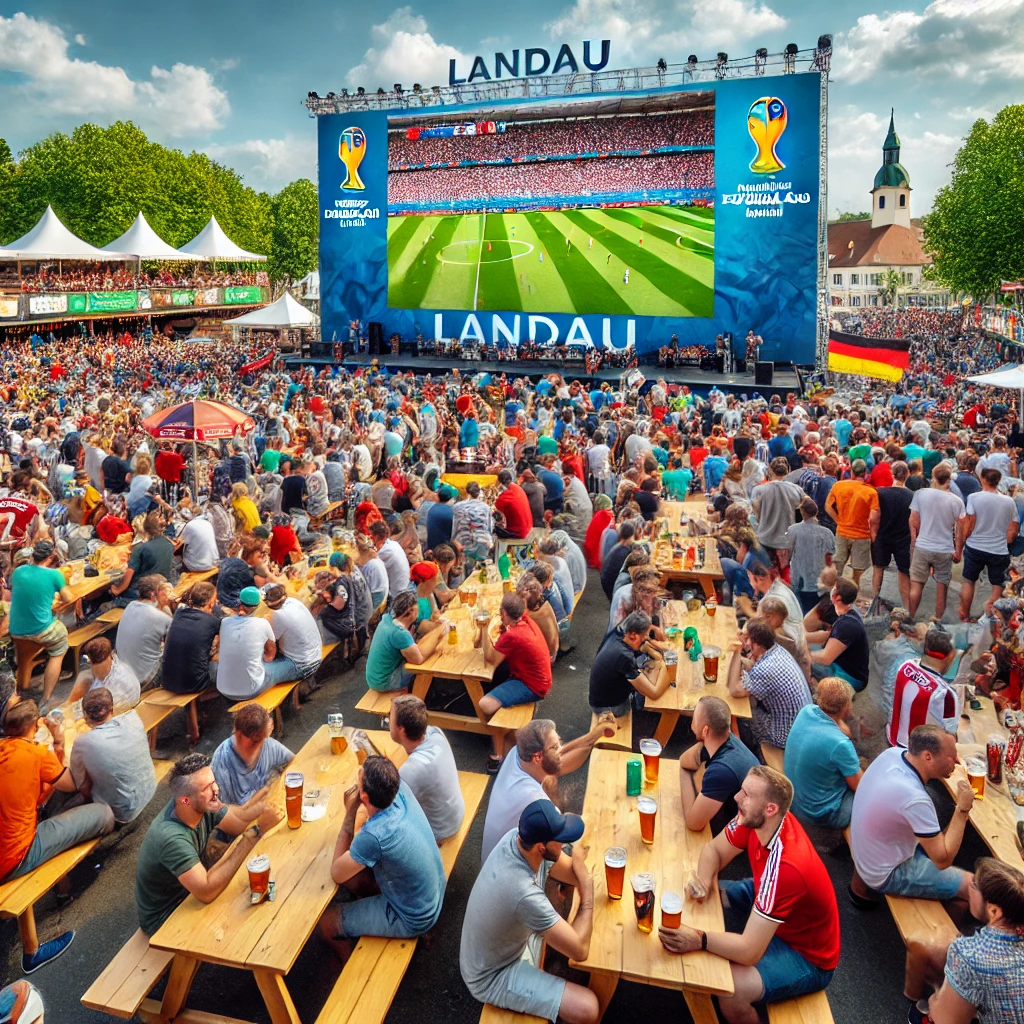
{"x": 883, "y": 550}
{"x": 974, "y": 561}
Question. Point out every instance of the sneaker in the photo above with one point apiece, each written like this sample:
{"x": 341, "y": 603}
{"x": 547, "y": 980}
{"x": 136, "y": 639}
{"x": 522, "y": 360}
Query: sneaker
{"x": 47, "y": 951}
{"x": 915, "y": 1016}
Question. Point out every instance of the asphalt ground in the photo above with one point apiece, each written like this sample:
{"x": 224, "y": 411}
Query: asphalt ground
{"x": 867, "y": 986}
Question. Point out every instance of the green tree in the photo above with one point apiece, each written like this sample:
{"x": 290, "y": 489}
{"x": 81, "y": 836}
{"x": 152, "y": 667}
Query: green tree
{"x": 853, "y": 216}
{"x": 974, "y": 230}
{"x": 296, "y": 234}
{"x": 890, "y": 288}
{"x": 6, "y": 156}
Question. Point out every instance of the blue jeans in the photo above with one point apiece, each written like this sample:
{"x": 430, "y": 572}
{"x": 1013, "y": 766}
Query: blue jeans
{"x": 284, "y": 670}
{"x": 513, "y": 692}
{"x": 736, "y": 578}
{"x": 837, "y": 819}
{"x": 61, "y": 832}
{"x": 920, "y": 879}
{"x": 825, "y": 671}
{"x": 784, "y": 973}
{"x": 808, "y": 600}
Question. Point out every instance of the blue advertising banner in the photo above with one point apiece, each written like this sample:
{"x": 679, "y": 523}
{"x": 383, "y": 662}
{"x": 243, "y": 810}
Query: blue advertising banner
{"x": 693, "y": 211}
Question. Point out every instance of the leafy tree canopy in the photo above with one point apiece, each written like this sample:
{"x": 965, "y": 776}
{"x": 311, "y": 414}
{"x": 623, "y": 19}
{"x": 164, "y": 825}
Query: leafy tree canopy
{"x": 974, "y": 230}
{"x": 854, "y": 216}
{"x": 98, "y": 179}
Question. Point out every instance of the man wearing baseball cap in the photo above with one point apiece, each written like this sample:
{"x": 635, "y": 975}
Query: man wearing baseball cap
{"x": 247, "y": 645}
{"x": 508, "y": 916}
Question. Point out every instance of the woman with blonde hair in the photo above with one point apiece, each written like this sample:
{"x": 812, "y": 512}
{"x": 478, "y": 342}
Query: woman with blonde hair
{"x": 247, "y": 516}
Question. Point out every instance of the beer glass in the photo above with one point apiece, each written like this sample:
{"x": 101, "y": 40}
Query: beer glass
{"x": 711, "y": 656}
{"x": 259, "y": 873}
{"x": 711, "y": 606}
{"x": 293, "y": 798}
{"x": 614, "y": 871}
{"x": 671, "y": 909}
{"x": 976, "y": 774}
{"x": 470, "y": 596}
{"x": 643, "y": 901}
{"x": 648, "y": 808}
{"x": 335, "y": 725}
{"x": 651, "y": 751}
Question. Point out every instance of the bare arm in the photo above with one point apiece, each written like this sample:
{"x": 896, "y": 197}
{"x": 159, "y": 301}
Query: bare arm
{"x": 948, "y": 1007}
{"x": 205, "y": 885}
{"x": 915, "y": 526}
{"x": 853, "y": 781}
{"x": 270, "y": 650}
{"x": 419, "y": 652}
{"x": 652, "y": 688}
{"x": 874, "y": 519}
{"x": 943, "y": 848}
{"x": 828, "y": 654}
{"x": 698, "y": 809}
{"x": 573, "y": 940}
{"x": 733, "y": 681}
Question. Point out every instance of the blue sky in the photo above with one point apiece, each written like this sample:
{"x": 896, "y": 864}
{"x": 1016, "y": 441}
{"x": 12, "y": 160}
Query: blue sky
{"x": 228, "y": 78}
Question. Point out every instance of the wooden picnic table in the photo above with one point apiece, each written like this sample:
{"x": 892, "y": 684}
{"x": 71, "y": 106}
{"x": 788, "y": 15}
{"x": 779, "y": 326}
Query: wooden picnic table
{"x": 995, "y": 817}
{"x": 268, "y": 938}
{"x": 84, "y": 587}
{"x": 187, "y": 580}
{"x": 682, "y": 698}
{"x": 673, "y": 512}
{"x": 618, "y": 949}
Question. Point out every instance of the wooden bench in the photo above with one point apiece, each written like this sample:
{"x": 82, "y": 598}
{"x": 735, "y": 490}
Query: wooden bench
{"x": 923, "y": 922}
{"x": 272, "y": 700}
{"x": 493, "y": 1015}
{"x": 812, "y": 1009}
{"x": 169, "y": 699}
{"x": 19, "y": 896}
{"x": 376, "y": 702}
{"x": 369, "y": 980}
{"x": 128, "y": 978}
{"x": 79, "y": 637}
{"x": 623, "y": 738}
{"x": 510, "y": 719}
{"x": 773, "y": 756}
{"x": 152, "y": 715}
{"x": 29, "y": 655}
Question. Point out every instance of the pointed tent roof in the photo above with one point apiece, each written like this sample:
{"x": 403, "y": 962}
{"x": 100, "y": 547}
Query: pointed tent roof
{"x": 142, "y": 241}
{"x": 285, "y": 312}
{"x": 51, "y": 240}
{"x": 212, "y": 244}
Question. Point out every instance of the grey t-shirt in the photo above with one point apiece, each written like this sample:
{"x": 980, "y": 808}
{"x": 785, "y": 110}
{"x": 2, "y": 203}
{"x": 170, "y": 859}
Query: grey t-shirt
{"x": 140, "y": 638}
{"x": 775, "y": 504}
{"x": 116, "y": 757}
{"x": 506, "y": 908}
{"x": 994, "y": 514}
{"x": 430, "y": 773}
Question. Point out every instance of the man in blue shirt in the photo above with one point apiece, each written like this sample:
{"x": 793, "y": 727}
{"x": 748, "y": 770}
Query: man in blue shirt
{"x": 245, "y": 761}
{"x": 726, "y": 761}
{"x": 392, "y": 866}
{"x": 439, "y": 518}
{"x": 820, "y": 758}
{"x": 553, "y": 486}
{"x": 781, "y": 444}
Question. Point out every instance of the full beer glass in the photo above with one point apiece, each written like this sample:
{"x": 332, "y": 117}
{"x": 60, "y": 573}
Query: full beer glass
{"x": 614, "y": 871}
{"x": 259, "y": 873}
{"x": 671, "y": 909}
{"x": 643, "y": 901}
{"x": 648, "y": 809}
{"x": 651, "y": 753}
{"x": 293, "y": 798}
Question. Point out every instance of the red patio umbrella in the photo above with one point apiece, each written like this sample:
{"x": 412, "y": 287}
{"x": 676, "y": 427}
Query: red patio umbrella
{"x": 201, "y": 420}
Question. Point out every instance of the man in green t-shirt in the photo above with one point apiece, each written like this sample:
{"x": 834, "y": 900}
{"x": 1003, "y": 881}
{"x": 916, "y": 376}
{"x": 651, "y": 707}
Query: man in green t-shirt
{"x": 270, "y": 460}
{"x": 393, "y": 645}
{"x": 676, "y": 481}
{"x": 33, "y": 588}
{"x": 170, "y": 863}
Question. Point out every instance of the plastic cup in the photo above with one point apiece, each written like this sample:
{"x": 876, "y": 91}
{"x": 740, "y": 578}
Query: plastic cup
{"x": 643, "y": 901}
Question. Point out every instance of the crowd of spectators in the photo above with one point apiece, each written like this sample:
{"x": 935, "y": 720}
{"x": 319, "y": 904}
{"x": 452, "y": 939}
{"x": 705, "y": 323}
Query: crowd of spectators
{"x": 554, "y": 178}
{"x": 80, "y": 276}
{"x": 526, "y": 140}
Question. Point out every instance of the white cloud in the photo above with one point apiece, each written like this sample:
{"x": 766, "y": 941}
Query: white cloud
{"x": 182, "y": 100}
{"x": 975, "y": 40}
{"x": 404, "y": 51}
{"x": 80, "y": 39}
{"x": 725, "y": 22}
{"x": 269, "y": 164}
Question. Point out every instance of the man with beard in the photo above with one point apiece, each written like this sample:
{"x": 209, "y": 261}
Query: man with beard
{"x": 509, "y": 918}
{"x": 531, "y": 772}
{"x": 783, "y": 937}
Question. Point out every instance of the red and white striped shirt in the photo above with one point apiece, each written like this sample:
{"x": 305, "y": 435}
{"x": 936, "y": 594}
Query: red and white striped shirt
{"x": 920, "y": 696}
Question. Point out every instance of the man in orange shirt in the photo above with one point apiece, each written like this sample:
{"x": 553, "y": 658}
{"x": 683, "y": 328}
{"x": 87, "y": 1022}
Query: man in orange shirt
{"x": 29, "y": 772}
{"x": 850, "y": 503}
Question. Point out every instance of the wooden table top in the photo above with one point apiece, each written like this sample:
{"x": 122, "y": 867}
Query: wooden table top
{"x": 712, "y": 567}
{"x": 187, "y": 580}
{"x": 690, "y": 686}
{"x": 229, "y": 930}
{"x": 995, "y": 817}
{"x": 85, "y": 586}
{"x": 617, "y": 946}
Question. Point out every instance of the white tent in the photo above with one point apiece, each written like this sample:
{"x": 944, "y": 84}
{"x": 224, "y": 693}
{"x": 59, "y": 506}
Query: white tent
{"x": 212, "y": 244}
{"x": 51, "y": 240}
{"x": 309, "y": 286}
{"x": 144, "y": 243}
{"x": 1009, "y": 376}
{"x": 283, "y": 313}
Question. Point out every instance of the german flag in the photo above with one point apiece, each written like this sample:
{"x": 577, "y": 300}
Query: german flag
{"x": 885, "y": 358}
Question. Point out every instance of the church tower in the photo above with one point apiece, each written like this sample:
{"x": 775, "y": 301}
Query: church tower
{"x": 890, "y": 198}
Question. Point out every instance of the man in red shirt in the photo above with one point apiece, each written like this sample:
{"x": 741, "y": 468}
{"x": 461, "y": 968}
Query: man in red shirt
{"x": 169, "y": 466}
{"x": 514, "y": 505}
{"x": 787, "y": 911}
{"x": 19, "y": 522}
{"x": 521, "y": 647}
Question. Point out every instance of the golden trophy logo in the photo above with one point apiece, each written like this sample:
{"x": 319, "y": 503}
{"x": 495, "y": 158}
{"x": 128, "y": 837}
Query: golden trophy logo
{"x": 766, "y": 121}
{"x": 351, "y": 150}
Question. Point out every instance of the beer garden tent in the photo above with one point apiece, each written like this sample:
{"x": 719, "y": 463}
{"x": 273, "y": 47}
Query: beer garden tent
{"x": 212, "y": 244}
{"x": 144, "y": 243}
{"x": 51, "y": 240}
{"x": 1009, "y": 376}
{"x": 283, "y": 313}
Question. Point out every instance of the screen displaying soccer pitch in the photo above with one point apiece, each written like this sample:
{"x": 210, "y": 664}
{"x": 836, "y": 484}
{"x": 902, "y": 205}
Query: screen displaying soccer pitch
{"x": 555, "y": 205}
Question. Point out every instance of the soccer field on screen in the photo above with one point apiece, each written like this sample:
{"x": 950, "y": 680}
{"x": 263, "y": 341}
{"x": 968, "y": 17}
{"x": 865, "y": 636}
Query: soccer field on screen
{"x": 643, "y": 261}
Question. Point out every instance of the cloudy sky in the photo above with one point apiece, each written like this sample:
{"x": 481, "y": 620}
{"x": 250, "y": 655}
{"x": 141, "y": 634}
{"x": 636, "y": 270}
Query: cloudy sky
{"x": 228, "y": 78}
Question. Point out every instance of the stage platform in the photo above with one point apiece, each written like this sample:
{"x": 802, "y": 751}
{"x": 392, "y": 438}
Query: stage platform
{"x": 784, "y": 379}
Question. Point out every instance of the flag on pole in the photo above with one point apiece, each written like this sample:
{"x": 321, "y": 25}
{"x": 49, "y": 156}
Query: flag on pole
{"x": 884, "y": 358}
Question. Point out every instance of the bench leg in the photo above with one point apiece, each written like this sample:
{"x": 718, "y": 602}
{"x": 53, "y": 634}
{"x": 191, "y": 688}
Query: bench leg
{"x": 701, "y": 1008}
{"x": 192, "y": 713}
{"x": 152, "y": 740}
{"x": 27, "y": 931}
{"x": 276, "y": 996}
{"x": 279, "y": 721}
{"x": 666, "y": 726}
{"x": 603, "y": 986}
{"x": 179, "y": 981}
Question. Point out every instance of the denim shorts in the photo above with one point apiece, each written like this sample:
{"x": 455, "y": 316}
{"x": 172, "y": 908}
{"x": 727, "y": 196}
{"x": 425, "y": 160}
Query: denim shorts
{"x": 373, "y": 915}
{"x": 785, "y": 974}
{"x": 919, "y": 878}
{"x": 513, "y": 692}
{"x": 523, "y": 988}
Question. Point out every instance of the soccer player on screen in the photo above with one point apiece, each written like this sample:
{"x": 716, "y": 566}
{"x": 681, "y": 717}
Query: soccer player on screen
{"x": 608, "y": 261}
{"x": 625, "y": 276}
{"x": 590, "y": 244}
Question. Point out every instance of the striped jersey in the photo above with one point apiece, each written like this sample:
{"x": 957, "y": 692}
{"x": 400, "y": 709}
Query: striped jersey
{"x": 920, "y": 696}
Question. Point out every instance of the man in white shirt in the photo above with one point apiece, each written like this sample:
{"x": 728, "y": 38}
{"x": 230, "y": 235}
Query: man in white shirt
{"x": 247, "y": 648}
{"x": 362, "y": 461}
{"x": 142, "y": 629}
{"x": 199, "y": 545}
{"x": 898, "y": 848}
{"x": 429, "y": 770}
{"x": 531, "y": 772}
{"x": 934, "y": 512}
{"x": 990, "y": 525}
{"x": 299, "y": 647}
{"x": 391, "y": 553}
